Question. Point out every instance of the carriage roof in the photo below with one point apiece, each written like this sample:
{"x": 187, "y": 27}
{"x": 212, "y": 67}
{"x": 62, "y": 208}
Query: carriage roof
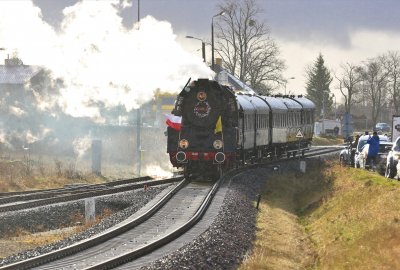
{"x": 291, "y": 104}
{"x": 245, "y": 103}
{"x": 305, "y": 102}
{"x": 275, "y": 104}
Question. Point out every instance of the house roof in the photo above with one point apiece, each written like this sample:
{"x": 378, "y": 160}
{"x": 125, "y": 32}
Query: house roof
{"x": 17, "y": 74}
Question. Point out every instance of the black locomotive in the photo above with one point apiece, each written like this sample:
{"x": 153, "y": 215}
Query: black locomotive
{"x": 214, "y": 128}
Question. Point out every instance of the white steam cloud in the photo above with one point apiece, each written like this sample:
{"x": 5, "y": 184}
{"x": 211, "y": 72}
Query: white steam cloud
{"x": 100, "y": 62}
{"x": 81, "y": 145}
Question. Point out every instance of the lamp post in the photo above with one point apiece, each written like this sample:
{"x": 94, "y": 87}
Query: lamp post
{"x": 212, "y": 37}
{"x": 286, "y": 81}
{"x": 138, "y": 11}
{"x": 203, "y": 47}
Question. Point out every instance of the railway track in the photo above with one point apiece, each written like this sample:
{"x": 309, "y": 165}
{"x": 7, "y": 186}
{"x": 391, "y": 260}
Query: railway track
{"x": 172, "y": 216}
{"x": 27, "y": 201}
{"x": 68, "y": 189}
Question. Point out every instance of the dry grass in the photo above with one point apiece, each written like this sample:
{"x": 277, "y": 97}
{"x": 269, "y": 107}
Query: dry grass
{"x": 282, "y": 242}
{"x": 328, "y": 140}
{"x": 20, "y": 175}
{"x": 332, "y": 218}
{"x": 22, "y": 239}
{"x": 358, "y": 226}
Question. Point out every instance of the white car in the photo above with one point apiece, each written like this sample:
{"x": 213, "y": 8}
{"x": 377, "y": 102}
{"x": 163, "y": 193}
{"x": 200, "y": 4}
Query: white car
{"x": 393, "y": 160}
{"x": 361, "y": 154}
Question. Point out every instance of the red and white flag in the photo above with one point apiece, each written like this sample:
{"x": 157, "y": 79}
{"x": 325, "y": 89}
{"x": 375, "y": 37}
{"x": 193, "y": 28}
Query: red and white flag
{"x": 174, "y": 121}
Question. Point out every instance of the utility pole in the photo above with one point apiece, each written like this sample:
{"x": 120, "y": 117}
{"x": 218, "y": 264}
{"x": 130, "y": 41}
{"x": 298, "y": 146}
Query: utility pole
{"x": 138, "y": 146}
{"x": 212, "y": 37}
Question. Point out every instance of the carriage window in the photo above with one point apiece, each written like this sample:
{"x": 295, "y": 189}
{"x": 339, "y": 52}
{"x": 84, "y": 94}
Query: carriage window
{"x": 265, "y": 121}
{"x": 283, "y": 120}
{"x": 279, "y": 120}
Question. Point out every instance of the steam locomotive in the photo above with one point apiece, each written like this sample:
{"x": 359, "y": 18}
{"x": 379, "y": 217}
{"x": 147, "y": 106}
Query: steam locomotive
{"x": 212, "y": 128}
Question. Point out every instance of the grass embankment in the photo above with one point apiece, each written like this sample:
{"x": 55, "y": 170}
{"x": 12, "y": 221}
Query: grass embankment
{"x": 330, "y": 218}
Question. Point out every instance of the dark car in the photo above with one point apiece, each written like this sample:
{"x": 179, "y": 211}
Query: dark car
{"x": 384, "y": 127}
{"x": 362, "y": 153}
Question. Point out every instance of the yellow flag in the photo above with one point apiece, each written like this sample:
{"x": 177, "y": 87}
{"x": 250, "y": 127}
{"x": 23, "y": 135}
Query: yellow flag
{"x": 218, "y": 126}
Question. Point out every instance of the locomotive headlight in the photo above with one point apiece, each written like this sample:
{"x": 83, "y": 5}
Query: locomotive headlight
{"x": 218, "y": 144}
{"x": 183, "y": 144}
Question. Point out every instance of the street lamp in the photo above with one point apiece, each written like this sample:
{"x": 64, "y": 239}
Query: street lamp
{"x": 212, "y": 37}
{"x": 138, "y": 11}
{"x": 286, "y": 81}
{"x": 203, "y": 47}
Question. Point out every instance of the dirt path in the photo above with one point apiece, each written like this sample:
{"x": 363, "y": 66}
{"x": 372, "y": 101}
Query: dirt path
{"x": 288, "y": 244}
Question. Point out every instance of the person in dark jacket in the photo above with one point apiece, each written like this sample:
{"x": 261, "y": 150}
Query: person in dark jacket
{"x": 373, "y": 149}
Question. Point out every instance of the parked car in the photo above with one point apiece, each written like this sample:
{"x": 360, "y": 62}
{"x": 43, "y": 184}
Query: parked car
{"x": 384, "y": 127}
{"x": 361, "y": 153}
{"x": 392, "y": 160}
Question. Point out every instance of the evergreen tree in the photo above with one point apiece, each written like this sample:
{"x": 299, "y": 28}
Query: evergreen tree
{"x": 318, "y": 80}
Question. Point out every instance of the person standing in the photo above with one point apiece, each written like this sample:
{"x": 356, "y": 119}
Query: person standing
{"x": 373, "y": 149}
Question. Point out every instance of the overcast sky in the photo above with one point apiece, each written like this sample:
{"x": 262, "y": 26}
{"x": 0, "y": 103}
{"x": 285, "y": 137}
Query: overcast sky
{"x": 342, "y": 30}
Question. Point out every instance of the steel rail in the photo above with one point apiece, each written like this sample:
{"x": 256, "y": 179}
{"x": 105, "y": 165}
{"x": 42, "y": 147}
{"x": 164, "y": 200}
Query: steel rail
{"x": 22, "y": 194}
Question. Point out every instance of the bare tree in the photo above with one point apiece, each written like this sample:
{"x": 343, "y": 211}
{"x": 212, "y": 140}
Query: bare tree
{"x": 246, "y": 47}
{"x": 391, "y": 63}
{"x": 349, "y": 79}
{"x": 375, "y": 79}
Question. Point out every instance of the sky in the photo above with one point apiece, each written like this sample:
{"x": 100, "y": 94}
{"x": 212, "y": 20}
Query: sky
{"x": 341, "y": 30}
